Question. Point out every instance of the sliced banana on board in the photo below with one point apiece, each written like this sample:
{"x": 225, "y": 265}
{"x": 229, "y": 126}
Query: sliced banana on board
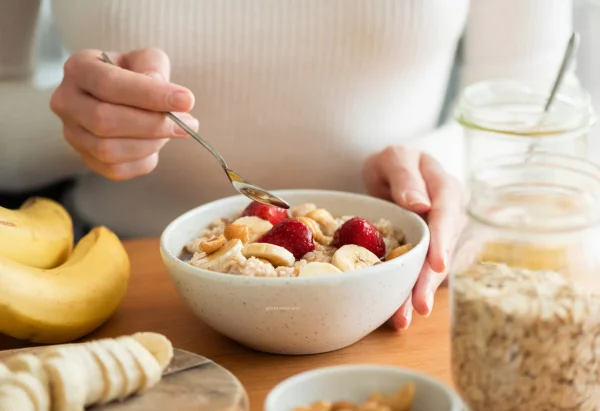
{"x": 28, "y": 363}
{"x": 278, "y": 256}
{"x": 113, "y": 379}
{"x": 81, "y": 354}
{"x": 71, "y": 377}
{"x": 158, "y": 345}
{"x": 353, "y": 257}
{"x": 15, "y": 398}
{"x": 256, "y": 226}
{"x": 37, "y": 392}
{"x": 94, "y": 376}
{"x": 316, "y": 269}
{"x": 146, "y": 363}
{"x": 4, "y": 371}
{"x": 132, "y": 376}
{"x": 221, "y": 256}
{"x": 67, "y": 384}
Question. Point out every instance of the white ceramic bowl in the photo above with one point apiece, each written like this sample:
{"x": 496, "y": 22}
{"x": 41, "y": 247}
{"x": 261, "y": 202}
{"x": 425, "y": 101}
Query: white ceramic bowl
{"x": 300, "y": 315}
{"x": 355, "y": 382}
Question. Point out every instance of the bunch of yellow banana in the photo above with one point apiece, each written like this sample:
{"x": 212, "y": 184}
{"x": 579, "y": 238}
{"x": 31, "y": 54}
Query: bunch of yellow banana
{"x": 51, "y": 292}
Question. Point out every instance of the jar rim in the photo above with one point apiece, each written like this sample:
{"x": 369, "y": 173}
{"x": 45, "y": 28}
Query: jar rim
{"x": 565, "y": 178}
{"x": 481, "y": 103}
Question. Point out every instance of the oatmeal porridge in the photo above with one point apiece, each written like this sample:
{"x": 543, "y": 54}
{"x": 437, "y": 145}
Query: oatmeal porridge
{"x": 266, "y": 241}
{"x": 401, "y": 400}
{"x": 525, "y": 340}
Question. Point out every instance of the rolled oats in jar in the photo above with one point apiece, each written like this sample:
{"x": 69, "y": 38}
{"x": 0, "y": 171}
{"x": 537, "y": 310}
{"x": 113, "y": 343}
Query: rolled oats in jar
{"x": 525, "y": 286}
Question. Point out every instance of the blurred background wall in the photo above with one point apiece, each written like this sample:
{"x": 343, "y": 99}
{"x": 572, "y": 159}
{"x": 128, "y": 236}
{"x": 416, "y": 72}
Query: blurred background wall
{"x": 586, "y": 21}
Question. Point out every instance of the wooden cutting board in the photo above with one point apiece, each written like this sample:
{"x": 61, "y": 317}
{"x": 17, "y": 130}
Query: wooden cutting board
{"x": 206, "y": 386}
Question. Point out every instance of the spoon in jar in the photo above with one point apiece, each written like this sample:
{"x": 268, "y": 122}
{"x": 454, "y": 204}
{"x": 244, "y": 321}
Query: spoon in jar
{"x": 252, "y": 191}
{"x": 570, "y": 51}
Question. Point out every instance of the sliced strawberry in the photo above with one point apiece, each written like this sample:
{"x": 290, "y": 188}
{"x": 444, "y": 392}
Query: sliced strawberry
{"x": 266, "y": 212}
{"x": 359, "y": 231}
{"x": 292, "y": 235}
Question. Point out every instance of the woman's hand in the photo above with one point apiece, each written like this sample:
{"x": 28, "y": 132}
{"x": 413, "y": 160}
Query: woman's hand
{"x": 112, "y": 114}
{"x": 417, "y": 182}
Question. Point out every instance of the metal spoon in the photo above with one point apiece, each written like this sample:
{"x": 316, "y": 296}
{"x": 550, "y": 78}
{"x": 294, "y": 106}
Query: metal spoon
{"x": 570, "y": 51}
{"x": 572, "y": 47}
{"x": 252, "y": 191}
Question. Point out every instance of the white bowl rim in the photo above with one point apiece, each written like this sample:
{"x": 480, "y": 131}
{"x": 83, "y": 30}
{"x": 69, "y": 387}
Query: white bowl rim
{"x": 367, "y": 367}
{"x": 196, "y": 271}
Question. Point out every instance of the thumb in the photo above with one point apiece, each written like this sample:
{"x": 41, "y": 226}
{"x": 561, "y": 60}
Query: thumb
{"x": 150, "y": 61}
{"x": 400, "y": 165}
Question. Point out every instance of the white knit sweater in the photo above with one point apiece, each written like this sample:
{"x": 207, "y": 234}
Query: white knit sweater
{"x": 293, "y": 93}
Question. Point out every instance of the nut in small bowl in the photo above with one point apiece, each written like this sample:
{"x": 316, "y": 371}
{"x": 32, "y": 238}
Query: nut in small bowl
{"x": 362, "y": 387}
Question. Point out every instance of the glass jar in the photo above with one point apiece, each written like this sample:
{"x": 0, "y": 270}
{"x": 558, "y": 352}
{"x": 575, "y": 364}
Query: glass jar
{"x": 504, "y": 117}
{"x": 525, "y": 286}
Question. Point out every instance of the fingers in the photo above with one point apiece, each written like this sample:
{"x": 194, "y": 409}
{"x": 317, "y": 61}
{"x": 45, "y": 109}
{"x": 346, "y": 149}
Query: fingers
{"x": 111, "y": 150}
{"x": 394, "y": 174}
{"x": 113, "y": 115}
{"x": 402, "y": 318}
{"x": 122, "y": 171}
{"x": 110, "y": 120}
{"x": 116, "y": 85}
{"x": 444, "y": 216}
{"x": 417, "y": 182}
{"x": 421, "y": 299}
{"x": 424, "y": 290}
{"x": 152, "y": 62}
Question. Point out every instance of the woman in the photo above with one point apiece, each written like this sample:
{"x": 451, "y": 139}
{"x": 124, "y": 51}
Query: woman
{"x": 293, "y": 93}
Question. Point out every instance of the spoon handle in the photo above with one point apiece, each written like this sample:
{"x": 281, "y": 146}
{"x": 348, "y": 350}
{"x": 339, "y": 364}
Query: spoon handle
{"x": 185, "y": 127}
{"x": 569, "y": 53}
{"x": 197, "y": 138}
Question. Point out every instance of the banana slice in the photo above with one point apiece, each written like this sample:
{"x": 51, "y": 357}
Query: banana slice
{"x": 14, "y": 398}
{"x": 318, "y": 269}
{"x": 325, "y": 220}
{"x": 38, "y": 393}
{"x": 4, "y": 371}
{"x": 28, "y": 363}
{"x": 67, "y": 384}
{"x": 132, "y": 376}
{"x": 146, "y": 363}
{"x": 113, "y": 379}
{"x": 353, "y": 257}
{"x": 256, "y": 225}
{"x": 94, "y": 376}
{"x": 221, "y": 256}
{"x": 93, "y": 373}
{"x": 302, "y": 209}
{"x": 158, "y": 345}
{"x": 315, "y": 229}
{"x": 277, "y": 255}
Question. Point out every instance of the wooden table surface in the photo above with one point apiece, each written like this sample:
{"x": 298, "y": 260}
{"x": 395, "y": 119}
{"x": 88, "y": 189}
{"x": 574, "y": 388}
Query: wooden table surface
{"x": 152, "y": 304}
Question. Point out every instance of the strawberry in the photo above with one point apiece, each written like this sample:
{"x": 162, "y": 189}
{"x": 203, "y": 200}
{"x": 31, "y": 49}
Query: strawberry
{"x": 267, "y": 212}
{"x": 292, "y": 235}
{"x": 359, "y": 231}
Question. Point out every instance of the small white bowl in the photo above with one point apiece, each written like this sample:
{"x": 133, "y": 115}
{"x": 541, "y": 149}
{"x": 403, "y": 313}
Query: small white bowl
{"x": 354, "y": 383}
{"x": 300, "y": 315}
